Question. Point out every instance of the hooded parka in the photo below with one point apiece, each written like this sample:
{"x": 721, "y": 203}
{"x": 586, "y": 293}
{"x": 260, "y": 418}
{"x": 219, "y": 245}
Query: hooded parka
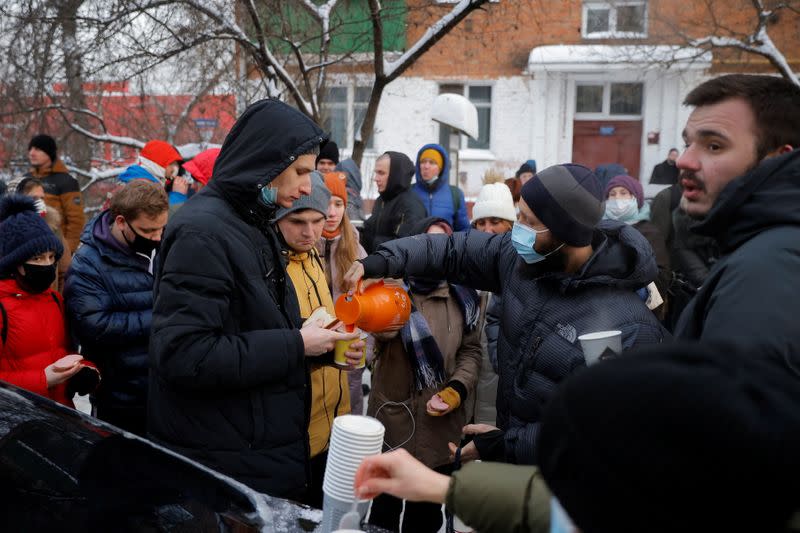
{"x": 397, "y": 208}
{"x": 749, "y": 296}
{"x": 543, "y": 312}
{"x": 439, "y": 197}
{"x": 229, "y": 385}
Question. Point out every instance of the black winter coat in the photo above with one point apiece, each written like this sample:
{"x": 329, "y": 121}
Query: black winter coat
{"x": 750, "y": 295}
{"x": 397, "y": 209}
{"x": 229, "y": 385}
{"x": 109, "y": 300}
{"x": 542, "y": 314}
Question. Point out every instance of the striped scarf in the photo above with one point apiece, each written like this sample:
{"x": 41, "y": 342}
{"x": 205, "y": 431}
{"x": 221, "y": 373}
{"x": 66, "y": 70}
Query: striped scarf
{"x": 418, "y": 341}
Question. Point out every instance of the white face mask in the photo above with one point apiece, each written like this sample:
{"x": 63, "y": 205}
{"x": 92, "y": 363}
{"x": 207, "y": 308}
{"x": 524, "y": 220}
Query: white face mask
{"x": 41, "y": 207}
{"x": 623, "y": 210}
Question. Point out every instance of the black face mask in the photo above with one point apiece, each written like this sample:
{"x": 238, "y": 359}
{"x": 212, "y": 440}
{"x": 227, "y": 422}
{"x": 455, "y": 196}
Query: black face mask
{"x": 141, "y": 245}
{"x": 37, "y": 278}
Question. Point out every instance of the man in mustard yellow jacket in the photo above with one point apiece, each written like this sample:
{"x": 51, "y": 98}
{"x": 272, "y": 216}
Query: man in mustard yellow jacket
{"x": 300, "y": 226}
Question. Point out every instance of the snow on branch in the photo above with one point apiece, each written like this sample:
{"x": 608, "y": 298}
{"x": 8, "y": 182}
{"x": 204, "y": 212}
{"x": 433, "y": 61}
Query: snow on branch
{"x": 95, "y": 175}
{"x": 107, "y": 138}
{"x": 436, "y": 31}
{"x": 759, "y": 43}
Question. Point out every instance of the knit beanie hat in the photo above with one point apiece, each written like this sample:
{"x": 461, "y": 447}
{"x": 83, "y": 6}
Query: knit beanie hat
{"x": 630, "y": 183}
{"x": 318, "y": 199}
{"x": 329, "y": 150}
{"x": 161, "y": 153}
{"x": 568, "y": 200}
{"x": 494, "y": 200}
{"x": 528, "y": 166}
{"x": 23, "y": 233}
{"x": 201, "y": 167}
{"x": 336, "y": 182}
{"x": 434, "y": 156}
{"x": 46, "y": 144}
{"x": 682, "y": 437}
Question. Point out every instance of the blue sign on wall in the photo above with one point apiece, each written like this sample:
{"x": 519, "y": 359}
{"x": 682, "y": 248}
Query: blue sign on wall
{"x": 205, "y": 122}
{"x": 607, "y": 130}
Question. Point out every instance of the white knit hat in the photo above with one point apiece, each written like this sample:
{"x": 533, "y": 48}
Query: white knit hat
{"x": 494, "y": 200}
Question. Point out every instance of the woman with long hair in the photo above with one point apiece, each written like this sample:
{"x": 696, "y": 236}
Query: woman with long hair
{"x": 339, "y": 246}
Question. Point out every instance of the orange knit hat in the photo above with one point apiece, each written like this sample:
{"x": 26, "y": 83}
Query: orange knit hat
{"x": 161, "y": 153}
{"x": 336, "y": 183}
{"x": 434, "y": 156}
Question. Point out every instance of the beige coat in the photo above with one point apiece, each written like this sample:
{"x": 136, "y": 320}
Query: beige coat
{"x": 53, "y": 219}
{"x": 393, "y": 381}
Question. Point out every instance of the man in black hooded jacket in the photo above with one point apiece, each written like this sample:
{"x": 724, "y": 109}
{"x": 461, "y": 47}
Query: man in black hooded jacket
{"x": 740, "y": 174}
{"x": 228, "y": 383}
{"x": 397, "y": 208}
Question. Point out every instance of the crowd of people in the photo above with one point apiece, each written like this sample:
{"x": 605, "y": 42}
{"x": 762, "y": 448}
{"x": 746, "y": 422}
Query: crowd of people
{"x": 188, "y": 309}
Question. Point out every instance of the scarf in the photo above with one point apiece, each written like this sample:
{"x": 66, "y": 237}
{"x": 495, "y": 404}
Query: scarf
{"x": 332, "y": 234}
{"x": 418, "y": 341}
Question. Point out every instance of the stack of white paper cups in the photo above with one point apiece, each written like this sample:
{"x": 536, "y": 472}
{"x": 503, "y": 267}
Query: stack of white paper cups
{"x": 352, "y": 439}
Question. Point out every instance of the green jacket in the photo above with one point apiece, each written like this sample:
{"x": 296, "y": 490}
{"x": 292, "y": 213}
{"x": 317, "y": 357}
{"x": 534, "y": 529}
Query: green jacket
{"x": 500, "y": 498}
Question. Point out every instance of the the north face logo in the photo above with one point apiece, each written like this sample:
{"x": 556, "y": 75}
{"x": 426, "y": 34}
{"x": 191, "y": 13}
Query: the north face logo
{"x": 568, "y": 332}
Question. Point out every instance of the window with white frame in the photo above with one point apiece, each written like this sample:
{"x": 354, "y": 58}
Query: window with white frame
{"x": 614, "y": 18}
{"x": 608, "y": 99}
{"x": 343, "y": 110}
{"x": 481, "y": 96}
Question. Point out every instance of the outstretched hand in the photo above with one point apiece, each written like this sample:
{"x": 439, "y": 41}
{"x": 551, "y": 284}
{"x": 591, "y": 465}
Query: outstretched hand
{"x": 399, "y": 474}
{"x": 63, "y": 369}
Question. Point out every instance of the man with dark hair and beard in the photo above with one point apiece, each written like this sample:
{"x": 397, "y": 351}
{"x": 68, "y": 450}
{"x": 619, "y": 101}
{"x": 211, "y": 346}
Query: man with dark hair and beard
{"x": 562, "y": 273}
{"x": 741, "y": 175}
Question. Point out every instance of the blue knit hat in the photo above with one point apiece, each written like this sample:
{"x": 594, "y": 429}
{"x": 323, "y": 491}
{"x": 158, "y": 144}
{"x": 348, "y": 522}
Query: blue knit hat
{"x": 568, "y": 199}
{"x": 23, "y": 233}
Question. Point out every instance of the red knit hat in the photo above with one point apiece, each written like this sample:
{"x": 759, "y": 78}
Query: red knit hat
{"x": 336, "y": 183}
{"x": 161, "y": 153}
{"x": 201, "y": 167}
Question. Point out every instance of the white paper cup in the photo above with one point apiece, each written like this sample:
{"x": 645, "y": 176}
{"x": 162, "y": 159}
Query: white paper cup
{"x": 594, "y": 344}
{"x": 357, "y": 425}
{"x": 333, "y": 509}
{"x": 353, "y": 438}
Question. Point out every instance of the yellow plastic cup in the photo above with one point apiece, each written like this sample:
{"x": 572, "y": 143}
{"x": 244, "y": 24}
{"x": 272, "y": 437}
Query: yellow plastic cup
{"x": 344, "y": 346}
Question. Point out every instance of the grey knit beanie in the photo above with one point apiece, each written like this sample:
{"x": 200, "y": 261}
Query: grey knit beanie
{"x": 318, "y": 199}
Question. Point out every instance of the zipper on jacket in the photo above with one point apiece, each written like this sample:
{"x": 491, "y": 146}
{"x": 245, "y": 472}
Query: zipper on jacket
{"x": 397, "y": 229}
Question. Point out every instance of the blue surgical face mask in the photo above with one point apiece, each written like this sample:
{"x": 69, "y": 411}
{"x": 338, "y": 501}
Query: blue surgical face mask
{"x": 560, "y": 522}
{"x": 269, "y": 196}
{"x": 622, "y": 209}
{"x": 523, "y": 238}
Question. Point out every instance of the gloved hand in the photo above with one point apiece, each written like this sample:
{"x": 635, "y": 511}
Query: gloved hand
{"x": 443, "y": 402}
{"x": 85, "y": 381}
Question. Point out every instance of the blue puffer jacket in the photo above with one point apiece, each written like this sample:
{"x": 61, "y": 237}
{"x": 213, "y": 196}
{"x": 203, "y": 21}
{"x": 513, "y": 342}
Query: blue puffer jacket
{"x": 437, "y": 197}
{"x": 109, "y": 300}
{"x": 542, "y": 312}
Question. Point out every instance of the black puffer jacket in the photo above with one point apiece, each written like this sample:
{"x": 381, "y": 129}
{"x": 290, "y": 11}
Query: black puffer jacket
{"x": 750, "y": 295}
{"x": 229, "y": 384}
{"x": 542, "y": 312}
{"x": 397, "y": 209}
{"x": 109, "y": 301}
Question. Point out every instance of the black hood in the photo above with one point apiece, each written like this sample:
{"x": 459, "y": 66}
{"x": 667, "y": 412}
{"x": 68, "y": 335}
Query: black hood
{"x": 622, "y": 258}
{"x": 766, "y": 197}
{"x": 349, "y": 167}
{"x": 401, "y": 170}
{"x": 265, "y": 140}
{"x": 424, "y": 225}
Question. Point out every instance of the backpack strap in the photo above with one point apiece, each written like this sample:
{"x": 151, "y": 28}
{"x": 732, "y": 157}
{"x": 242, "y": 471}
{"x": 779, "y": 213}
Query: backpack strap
{"x": 456, "y": 199}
